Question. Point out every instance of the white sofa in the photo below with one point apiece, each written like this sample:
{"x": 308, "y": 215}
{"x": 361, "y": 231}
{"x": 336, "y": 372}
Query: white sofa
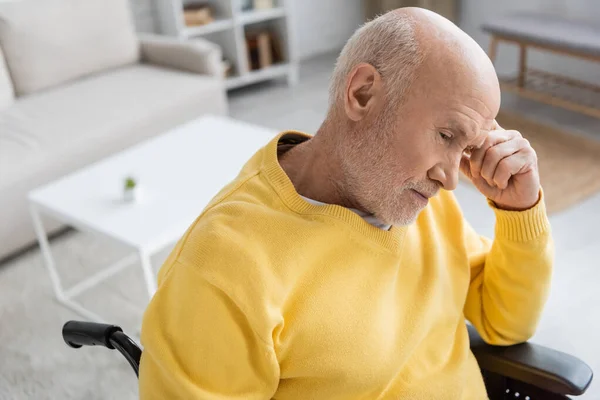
{"x": 77, "y": 84}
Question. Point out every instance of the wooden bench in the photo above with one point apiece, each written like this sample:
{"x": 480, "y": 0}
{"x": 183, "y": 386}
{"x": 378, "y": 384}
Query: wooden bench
{"x": 556, "y": 34}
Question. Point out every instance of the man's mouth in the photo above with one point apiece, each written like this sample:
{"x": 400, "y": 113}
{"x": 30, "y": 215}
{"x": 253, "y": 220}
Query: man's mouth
{"x": 424, "y": 197}
{"x": 425, "y": 194}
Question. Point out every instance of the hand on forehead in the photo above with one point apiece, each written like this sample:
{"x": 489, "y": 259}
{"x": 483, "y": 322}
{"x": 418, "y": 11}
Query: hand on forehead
{"x": 486, "y": 130}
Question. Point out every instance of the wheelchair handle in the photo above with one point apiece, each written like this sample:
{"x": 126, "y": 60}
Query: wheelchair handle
{"x": 79, "y": 333}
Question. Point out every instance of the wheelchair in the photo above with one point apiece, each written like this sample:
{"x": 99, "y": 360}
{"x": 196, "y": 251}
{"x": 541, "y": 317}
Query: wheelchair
{"x": 525, "y": 371}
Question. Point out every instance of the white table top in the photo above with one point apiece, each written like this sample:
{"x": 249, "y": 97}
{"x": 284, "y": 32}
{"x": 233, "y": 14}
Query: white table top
{"x": 178, "y": 173}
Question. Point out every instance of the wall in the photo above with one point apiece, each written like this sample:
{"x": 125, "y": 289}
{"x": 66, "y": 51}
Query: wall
{"x": 320, "y": 26}
{"x": 475, "y": 12}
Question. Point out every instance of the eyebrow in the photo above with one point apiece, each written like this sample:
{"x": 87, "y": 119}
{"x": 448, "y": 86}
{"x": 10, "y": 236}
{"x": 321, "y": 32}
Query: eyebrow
{"x": 455, "y": 126}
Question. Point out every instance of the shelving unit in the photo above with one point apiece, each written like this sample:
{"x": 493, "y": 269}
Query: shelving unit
{"x": 229, "y": 29}
{"x": 249, "y": 17}
{"x": 217, "y": 26}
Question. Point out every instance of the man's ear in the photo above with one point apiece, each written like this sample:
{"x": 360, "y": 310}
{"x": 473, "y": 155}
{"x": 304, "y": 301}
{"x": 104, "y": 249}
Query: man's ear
{"x": 363, "y": 90}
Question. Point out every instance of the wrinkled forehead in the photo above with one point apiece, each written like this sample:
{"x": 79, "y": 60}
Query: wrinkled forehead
{"x": 448, "y": 90}
{"x": 461, "y": 71}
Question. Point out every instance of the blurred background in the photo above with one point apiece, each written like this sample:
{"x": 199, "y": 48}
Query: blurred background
{"x": 82, "y": 81}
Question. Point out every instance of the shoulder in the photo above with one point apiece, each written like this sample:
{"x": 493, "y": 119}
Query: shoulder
{"x": 222, "y": 253}
{"x": 224, "y": 238}
{"x": 235, "y": 245}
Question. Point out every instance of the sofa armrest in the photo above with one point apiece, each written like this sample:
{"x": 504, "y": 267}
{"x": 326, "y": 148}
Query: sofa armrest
{"x": 535, "y": 365}
{"x": 194, "y": 55}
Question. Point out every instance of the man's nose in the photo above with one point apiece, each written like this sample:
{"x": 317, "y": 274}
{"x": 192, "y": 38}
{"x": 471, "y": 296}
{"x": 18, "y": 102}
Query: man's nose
{"x": 446, "y": 174}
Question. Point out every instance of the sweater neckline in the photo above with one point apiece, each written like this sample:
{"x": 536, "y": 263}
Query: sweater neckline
{"x": 391, "y": 239}
{"x": 371, "y": 219}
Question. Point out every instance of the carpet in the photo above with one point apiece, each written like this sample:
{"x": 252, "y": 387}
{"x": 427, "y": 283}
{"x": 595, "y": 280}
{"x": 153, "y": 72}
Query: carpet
{"x": 35, "y": 363}
{"x": 569, "y": 163}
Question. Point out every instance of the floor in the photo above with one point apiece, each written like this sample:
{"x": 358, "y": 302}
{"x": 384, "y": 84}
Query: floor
{"x": 34, "y": 363}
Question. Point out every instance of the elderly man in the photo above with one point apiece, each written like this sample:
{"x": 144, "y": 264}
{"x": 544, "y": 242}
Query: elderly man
{"x": 340, "y": 266}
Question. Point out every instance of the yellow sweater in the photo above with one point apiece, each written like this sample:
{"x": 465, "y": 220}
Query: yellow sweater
{"x": 269, "y": 296}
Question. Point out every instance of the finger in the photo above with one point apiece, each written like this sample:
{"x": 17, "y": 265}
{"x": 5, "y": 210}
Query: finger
{"x": 510, "y": 166}
{"x": 465, "y": 166}
{"x": 496, "y": 153}
{"x": 493, "y": 138}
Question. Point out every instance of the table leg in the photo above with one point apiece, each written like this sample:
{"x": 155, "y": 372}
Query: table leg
{"x": 148, "y": 272}
{"x": 46, "y": 253}
{"x": 493, "y": 48}
{"x": 522, "y": 64}
{"x": 62, "y": 297}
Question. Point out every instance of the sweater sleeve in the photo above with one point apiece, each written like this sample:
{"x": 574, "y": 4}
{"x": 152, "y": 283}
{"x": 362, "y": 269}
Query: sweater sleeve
{"x": 198, "y": 344}
{"x": 510, "y": 277}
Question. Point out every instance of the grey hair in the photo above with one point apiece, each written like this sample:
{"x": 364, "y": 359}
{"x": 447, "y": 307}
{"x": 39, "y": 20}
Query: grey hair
{"x": 388, "y": 43}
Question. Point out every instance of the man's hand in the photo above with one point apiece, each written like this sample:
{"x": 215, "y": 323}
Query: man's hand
{"x": 505, "y": 170}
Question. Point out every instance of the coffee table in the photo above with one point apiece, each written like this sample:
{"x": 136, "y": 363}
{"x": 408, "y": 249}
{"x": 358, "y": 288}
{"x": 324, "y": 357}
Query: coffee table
{"x": 178, "y": 174}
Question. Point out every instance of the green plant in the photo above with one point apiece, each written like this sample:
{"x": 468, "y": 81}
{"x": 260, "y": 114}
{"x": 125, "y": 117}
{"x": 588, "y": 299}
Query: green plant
{"x": 129, "y": 183}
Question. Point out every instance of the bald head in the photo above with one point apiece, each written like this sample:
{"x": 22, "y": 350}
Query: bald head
{"x": 455, "y": 54}
{"x": 410, "y": 42}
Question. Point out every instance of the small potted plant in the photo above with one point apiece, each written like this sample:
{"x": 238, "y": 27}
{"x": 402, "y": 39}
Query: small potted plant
{"x": 130, "y": 190}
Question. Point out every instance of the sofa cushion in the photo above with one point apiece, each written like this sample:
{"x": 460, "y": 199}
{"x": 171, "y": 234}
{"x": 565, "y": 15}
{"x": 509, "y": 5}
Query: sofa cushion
{"x": 47, "y": 134}
{"x": 7, "y": 94}
{"x": 49, "y": 42}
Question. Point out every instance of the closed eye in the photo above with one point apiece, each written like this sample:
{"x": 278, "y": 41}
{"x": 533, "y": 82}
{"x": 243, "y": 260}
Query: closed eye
{"x": 445, "y": 136}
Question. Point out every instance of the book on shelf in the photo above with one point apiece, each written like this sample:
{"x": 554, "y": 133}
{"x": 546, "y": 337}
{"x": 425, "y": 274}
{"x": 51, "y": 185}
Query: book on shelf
{"x": 265, "y": 55}
{"x": 197, "y": 14}
{"x": 263, "y": 49}
{"x": 252, "y": 52}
